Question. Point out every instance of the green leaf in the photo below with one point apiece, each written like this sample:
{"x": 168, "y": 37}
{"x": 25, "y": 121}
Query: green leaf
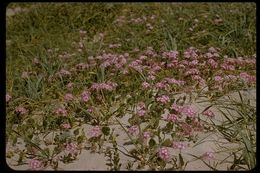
{"x": 106, "y": 130}
{"x": 167, "y": 143}
{"x": 80, "y": 139}
{"x": 168, "y": 128}
{"x": 181, "y": 160}
{"x": 128, "y": 143}
{"x": 152, "y": 143}
{"x": 162, "y": 163}
{"x": 76, "y": 132}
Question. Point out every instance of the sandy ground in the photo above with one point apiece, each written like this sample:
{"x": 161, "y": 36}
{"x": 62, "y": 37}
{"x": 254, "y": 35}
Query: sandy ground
{"x": 94, "y": 161}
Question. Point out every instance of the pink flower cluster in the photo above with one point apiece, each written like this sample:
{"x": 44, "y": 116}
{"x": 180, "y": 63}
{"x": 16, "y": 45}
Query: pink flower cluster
{"x": 145, "y": 85}
{"x": 161, "y": 85}
{"x": 20, "y": 110}
{"x": 192, "y": 71}
{"x": 177, "y": 108}
{"x": 85, "y": 96}
{"x": 225, "y": 66}
{"x": 191, "y": 53}
{"x": 133, "y": 130}
{"x": 163, "y": 153}
{"x": 68, "y": 97}
{"x": 172, "y": 55}
{"x": 136, "y": 65}
{"x": 146, "y": 135}
{"x": 113, "y": 59}
{"x": 61, "y": 111}
{"x": 109, "y": 86}
{"x": 150, "y": 52}
{"x": 248, "y": 78}
{"x": 189, "y": 111}
{"x": 174, "y": 81}
{"x": 186, "y": 129}
{"x": 218, "y": 78}
{"x": 35, "y": 164}
{"x": 212, "y": 53}
{"x": 63, "y": 72}
{"x": 71, "y": 148}
{"x": 209, "y": 155}
{"x": 163, "y": 99}
{"x": 208, "y": 113}
{"x": 91, "y": 109}
{"x": 212, "y": 63}
{"x": 171, "y": 117}
{"x": 179, "y": 145}
{"x": 141, "y": 109}
{"x": 95, "y": 131}
{"x": 66, "y": 126}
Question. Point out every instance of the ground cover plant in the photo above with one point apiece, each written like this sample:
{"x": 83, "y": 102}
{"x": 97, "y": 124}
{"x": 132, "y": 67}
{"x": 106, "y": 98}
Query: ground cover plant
{"x": 141, "y": 84}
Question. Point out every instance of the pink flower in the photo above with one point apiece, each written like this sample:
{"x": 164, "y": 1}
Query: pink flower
{"x": 179, "y": 145}
{"x": 247, "y": 78}
{"x": 213, "y": 63}
{"x": 161, "y": 85}
{"x": 141, "y": 105}
{"x": 91, "y": 109}
{"x": 177, "y": 108}
{"x": 35, "y": 164}
{"x": 163, "y": 99}
{"x": 68, "y": 97}
{"x": 196, "y": 77}
{"x": 186, "y": 129}
{"x": 133, "y": 130}
{"x": 151, "y": 77}
{"x": 194, "y": 62}
{"x": 164, "y": 153}
{"x": 189, "y": 111}
{"x": 20, "y": 110}
{"x": 61, "y": 111}
{"x": 225, "y": 66}
{"x": 190, "y": 53}
{"x": 141, "y": 112}
{"x": 145, "y": 85}
{"x": 218, "y": 78}
{"x": 192, "y": 71}
{"x": 7, "y": 97}
{"x": 209, "y": 155}
{"x": 171, "y": 55}
{"x": 106, "y": 86}
{"x": 85, "y": 96}
{"x": 66, "y": 126}
{"x": 208, "y": 113}
{"x": 171, "y": 117}
{"x": 63, "y": 72}
{"x": 146, "y": 135}
{"x": 71, "y": 148}
{"x": 95, "y": 131}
